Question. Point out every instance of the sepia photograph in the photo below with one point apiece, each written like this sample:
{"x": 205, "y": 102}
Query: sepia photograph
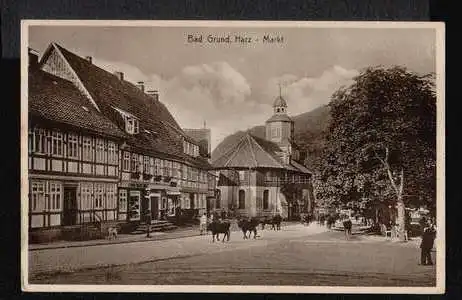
{"x": 219, "y": 156}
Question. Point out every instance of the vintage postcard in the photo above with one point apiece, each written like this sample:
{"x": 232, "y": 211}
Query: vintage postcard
{"x": 270, "y": 157}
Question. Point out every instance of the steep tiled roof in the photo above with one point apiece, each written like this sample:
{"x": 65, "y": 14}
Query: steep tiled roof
{"x": 55, "y": 99}
{"x": 249, "y": 151}
{"x": 165, "y": 137}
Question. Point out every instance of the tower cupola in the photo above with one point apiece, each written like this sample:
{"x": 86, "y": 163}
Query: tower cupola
{"x": 279, "y": 104}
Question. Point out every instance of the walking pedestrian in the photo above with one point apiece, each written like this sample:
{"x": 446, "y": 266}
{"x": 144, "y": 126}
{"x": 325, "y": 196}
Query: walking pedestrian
{"x": 203, "y": 224}
{"x": 426, "y": 245}
{"x": 347, "y": 224}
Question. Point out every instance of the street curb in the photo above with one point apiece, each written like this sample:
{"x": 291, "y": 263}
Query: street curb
{"x": 113, "y": 242}
{"x": 89, "y": 244}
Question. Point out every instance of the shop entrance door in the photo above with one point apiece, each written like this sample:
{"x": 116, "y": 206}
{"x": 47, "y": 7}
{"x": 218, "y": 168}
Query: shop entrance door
{"x": 70, "y": 206}
{"x": 155, "y": 207}
{"x": 191, "y": 201}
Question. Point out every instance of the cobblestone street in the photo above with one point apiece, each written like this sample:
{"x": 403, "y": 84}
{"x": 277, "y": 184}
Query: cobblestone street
{"x": 296, "y": 255}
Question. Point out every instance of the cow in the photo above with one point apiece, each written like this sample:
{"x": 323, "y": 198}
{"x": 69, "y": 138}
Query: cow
{"x": 219, "y": 227}
{"x": 275, "y": 222}
{"x": 249, "y": 225}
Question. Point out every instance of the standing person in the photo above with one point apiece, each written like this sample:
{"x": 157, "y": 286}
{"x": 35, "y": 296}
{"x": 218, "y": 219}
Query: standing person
{"x": 203, "y": 224}
{"x": 428, "y": 238}
{"x": 177, "y": 214}
{"x": 212, "y": 217}
{"x": 148, "y": 219}
{"x": 347, "y": 224}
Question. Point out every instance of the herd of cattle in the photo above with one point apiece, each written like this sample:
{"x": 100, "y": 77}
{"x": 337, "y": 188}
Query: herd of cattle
{"x": 247, "y": 225}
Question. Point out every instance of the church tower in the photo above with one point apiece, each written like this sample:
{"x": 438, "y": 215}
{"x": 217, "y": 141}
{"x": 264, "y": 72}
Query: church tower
{"x": 280, "y": 127}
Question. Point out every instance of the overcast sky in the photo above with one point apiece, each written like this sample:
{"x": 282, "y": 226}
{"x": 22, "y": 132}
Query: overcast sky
{"x": 232, "y": 86}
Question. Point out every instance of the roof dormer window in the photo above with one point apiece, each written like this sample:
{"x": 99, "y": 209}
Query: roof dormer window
{"x": 132, "y": 125}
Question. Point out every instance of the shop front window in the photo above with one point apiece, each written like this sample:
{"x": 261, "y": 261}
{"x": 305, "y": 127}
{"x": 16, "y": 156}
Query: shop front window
{"x": 134, "y": 205}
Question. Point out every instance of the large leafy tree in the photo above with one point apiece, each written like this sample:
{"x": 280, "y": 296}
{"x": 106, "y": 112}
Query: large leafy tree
{"x": 381, "y": 141}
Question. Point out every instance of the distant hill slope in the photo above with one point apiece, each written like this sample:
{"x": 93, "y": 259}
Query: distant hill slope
{"x": 309, "y": 129}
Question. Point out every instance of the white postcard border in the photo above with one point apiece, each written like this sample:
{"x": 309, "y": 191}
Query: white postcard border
{"x": 440, "y": 79}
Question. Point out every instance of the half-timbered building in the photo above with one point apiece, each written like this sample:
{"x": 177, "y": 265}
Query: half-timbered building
{"x": 161, "y": 170}
{"x": 73, "y": 156}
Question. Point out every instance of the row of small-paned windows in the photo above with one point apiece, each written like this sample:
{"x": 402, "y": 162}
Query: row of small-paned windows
{"x": 45, "y": 196}
{"x": 137, "y": 163}
{"x": 292, "y": 177}
{"x": 190, "y": 149}
{"x": 52, "y": 143}
{"x": 46, "y": 142}
{"x": 98, "y": 196}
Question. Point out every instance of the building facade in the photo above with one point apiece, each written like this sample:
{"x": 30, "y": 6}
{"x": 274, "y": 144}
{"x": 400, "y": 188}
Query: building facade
{"x": 263, "y": 177}
{"x": 103, "y": 149}
{"x": 73, "y": 156}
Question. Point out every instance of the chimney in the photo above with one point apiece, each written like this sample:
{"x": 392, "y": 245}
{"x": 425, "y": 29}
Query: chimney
{"x": 140, "y": 85}
{"x": 119, "y": 75}
{"x": 88, "y": 58}
{"x": 154, "y": 94}
{"x": 33, "y": 58}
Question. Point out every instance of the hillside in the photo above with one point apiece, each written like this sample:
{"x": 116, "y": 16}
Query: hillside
{"x": 309, "y": 128}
